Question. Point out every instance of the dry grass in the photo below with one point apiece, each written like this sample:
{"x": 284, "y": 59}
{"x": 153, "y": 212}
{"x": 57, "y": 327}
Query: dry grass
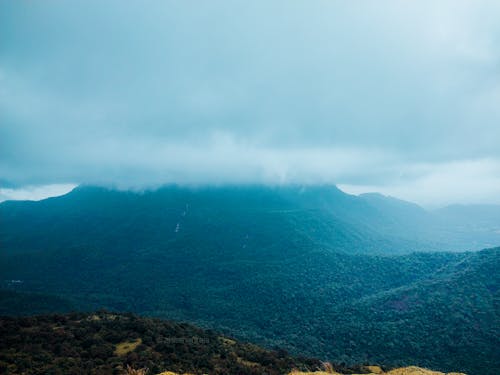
{"x": 375, "y": 370}
{"x": 418, "y": 371}
{"x": 326, "y": 369}
{"x": 295, "y": 372}
{"x": 130, "y": 371}
{"x": 227, "y": 341}
{"x": 126, "y": 347}
{"x": 246, "y": 363}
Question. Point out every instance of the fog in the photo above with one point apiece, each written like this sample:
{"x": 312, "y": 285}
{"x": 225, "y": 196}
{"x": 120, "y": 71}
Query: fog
{"x": 396, "y": 97}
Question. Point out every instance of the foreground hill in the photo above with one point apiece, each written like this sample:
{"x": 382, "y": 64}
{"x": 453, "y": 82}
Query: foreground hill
{"x": 105, "y": 343}
{"x": 108, "y": 343}
{"x": 281, "y": 267}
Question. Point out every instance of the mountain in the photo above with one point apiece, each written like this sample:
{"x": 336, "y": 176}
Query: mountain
{"x": 479, "y": 214}
{"x": 319, "y": 215}
{"x": 109, "y": 343}
{"x": 313, "y": 270}
{"x": 478, "y": 225}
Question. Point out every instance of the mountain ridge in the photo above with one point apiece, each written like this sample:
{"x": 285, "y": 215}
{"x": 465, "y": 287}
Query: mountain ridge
{"x": 394, "y": 225}
{"x": 274, "y": 267}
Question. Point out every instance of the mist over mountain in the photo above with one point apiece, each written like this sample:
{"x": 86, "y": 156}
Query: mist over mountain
{"x": 317, "y": 176}
{"x": 397, "y": 99}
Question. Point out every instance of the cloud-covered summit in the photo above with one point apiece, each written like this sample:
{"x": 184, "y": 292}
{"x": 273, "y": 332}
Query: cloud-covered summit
{"x": 397, "y": 97}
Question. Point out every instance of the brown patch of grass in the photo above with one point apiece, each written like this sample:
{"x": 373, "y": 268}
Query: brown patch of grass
{"x": 246, "y": 363}
{"x": 227, "y": 341}
{"x": 126, "y": 347}
{"x": 130, "y": 371}
{"x": 376, "y": 370}
{"x": 295, "y": 372}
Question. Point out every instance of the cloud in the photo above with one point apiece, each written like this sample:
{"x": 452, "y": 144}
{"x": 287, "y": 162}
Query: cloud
{"x": 385, "y": 94}
{"x": 431, "y": 185}
{"x": 35, "y": 192}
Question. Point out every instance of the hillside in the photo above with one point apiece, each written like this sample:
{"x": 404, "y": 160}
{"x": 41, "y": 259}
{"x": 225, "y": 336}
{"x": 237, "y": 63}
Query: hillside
{"x": 108, "y": 343}
{"x": 296, "y": 216}
{"x": 458, "y": 309}
{"x": 278, "y": 267}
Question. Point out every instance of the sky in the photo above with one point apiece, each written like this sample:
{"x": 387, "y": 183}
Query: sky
{"x": 398, "y": 97}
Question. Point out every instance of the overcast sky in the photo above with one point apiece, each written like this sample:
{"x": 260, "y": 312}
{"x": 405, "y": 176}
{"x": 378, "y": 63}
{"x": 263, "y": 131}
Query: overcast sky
{"x": 400, "y": 97}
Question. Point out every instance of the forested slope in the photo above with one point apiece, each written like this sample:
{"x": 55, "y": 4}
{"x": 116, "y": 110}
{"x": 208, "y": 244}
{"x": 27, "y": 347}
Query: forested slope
{"x": 273, "y": 267}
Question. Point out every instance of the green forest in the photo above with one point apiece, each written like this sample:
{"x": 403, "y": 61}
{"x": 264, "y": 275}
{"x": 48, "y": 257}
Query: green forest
{"x": 276, "y": 269}
{"x": 109, "y": 343}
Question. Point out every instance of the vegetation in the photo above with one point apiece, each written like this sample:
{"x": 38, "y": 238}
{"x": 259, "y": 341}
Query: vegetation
{"x": 274, "y": 269}
{"x": 94, "y": 344}
{"x": 125, "y": 347}
{"x": 79, "y": 343}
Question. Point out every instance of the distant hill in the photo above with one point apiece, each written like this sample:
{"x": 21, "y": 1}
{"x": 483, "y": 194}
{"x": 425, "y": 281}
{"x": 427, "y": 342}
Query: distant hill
{"x": 109, "y": 343}
{"x": 313, "y": 270}
{"x": 318, "y": 215}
